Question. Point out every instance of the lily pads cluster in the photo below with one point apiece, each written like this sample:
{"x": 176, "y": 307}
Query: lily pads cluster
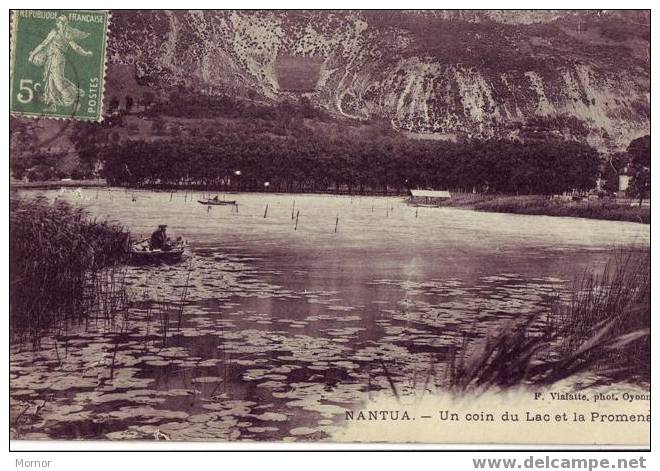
{"x": 255, "y": 355}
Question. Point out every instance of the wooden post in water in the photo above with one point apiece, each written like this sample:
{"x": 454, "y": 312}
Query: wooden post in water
{"x": 171, "y": 194}
{"x": 336, "y": 223}
{"x": 266, "y": 212}
{"x": 416, "y": 209}
{"x": 297, "y": 214}
{"x": 293, "y": 208}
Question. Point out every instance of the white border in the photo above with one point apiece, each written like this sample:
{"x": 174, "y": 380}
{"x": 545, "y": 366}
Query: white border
{"x": 272, "y": 461}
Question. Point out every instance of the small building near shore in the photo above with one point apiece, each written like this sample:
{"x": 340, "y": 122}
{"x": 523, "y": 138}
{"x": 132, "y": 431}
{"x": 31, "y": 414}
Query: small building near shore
{"x": 624, "y": 182}
{"x": 428, "y": 196}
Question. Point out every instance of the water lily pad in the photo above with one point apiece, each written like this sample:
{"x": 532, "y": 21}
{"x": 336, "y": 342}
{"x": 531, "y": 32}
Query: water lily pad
{"x": 271, "y": 417}
{"x": 302, "y": 431}
{"x": 262, "y": 429}
{"x": 207, "y": 379}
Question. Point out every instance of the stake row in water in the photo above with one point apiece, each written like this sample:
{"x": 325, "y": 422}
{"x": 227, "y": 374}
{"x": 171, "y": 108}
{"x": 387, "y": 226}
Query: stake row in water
{"x": 294, "y": 214}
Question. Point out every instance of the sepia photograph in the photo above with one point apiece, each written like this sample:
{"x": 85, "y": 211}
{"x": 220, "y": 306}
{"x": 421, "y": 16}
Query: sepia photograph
{"x": 330, "y": 226}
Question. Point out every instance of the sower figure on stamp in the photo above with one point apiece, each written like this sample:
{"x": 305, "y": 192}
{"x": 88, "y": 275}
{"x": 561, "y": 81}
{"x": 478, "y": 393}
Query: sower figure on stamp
{"x": 51, "y": 54}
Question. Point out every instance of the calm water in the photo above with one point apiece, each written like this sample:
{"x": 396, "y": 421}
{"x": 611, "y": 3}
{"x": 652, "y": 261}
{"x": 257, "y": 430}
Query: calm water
{"x": 285, "y": 328}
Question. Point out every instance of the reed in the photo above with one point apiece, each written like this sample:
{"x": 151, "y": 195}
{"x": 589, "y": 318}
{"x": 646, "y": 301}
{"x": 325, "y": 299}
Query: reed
{"x": 603, "y": 327}
{"x": 106, "y": 294}
{"x": 119, "y": 334}
{"x": 182, "y": 298}
{"x": 620, "y": 295}
{"x": 55, "y": 250}
{"x": 164, "y": 314}
{"x": 169, "y": 313}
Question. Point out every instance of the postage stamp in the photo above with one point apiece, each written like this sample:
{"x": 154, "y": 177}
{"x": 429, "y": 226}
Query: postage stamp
{"x": 58, "y": 63}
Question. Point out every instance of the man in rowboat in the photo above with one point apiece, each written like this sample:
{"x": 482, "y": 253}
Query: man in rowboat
{"x": 159, "y": 239}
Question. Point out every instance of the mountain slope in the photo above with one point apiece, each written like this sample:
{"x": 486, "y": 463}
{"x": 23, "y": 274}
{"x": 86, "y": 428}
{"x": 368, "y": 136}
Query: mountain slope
{"x": 449, "y": 74}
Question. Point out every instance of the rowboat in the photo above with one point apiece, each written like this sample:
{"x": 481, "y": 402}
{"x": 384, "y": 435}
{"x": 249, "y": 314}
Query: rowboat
{"x": 141, "y": 254}
{"x": 216, "y": 202}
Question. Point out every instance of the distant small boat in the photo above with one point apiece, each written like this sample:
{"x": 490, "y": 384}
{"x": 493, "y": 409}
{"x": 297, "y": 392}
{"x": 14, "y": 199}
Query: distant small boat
{"x": 213, "y": 202}
{"x": 141, "y": 254}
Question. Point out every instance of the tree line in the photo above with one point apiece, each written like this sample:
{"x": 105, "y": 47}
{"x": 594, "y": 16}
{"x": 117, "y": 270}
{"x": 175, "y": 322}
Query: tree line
{"x": 246, "y": 161}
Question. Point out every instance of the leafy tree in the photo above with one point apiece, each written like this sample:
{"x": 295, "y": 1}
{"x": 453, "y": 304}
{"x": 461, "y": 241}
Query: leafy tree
{"x": 148, "y": 98}
{"x": 158, "y": 126}
{"x": 129, "y": 103}
{"x": 640, "y": 167}
{"x": 113, "y": 105}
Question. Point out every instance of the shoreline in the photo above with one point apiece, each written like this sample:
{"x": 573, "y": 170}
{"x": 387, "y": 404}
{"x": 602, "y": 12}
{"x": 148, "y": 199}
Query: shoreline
{"x": 49, "y": 184}
{"x": 539, "y": 205}
{"x": 621, "y": 209}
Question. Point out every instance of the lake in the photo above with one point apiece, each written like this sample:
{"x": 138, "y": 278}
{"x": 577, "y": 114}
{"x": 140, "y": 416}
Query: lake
{"x": 297, "y": 308}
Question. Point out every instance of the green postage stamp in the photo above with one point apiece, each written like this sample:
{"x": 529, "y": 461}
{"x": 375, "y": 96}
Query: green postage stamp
{"x": 58, "y": 63}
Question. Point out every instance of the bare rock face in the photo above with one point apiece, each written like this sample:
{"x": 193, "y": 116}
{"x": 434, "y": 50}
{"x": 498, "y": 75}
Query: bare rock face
{"x": 446, "y": 74}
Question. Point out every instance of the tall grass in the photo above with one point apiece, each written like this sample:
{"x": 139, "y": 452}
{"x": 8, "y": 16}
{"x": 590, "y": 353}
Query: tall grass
{"x": 619, "y": 295}
{"x": 54, "y": 250}
{"x": 603, "y": 327}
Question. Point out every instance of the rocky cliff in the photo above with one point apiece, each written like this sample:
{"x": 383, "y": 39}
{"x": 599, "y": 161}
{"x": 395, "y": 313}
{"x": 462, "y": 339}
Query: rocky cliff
{"x": 443, "y": 74}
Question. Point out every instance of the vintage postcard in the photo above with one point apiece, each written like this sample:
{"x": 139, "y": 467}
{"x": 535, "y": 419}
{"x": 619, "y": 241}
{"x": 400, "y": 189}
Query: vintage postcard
{"x": 422, "y": 227}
